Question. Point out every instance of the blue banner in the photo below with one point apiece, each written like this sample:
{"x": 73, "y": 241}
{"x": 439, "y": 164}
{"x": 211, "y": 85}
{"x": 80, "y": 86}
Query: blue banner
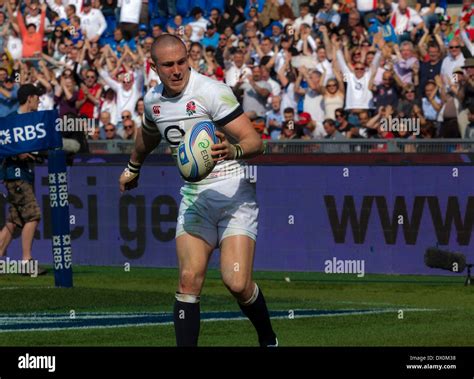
{"x": 59, "y": 203}
{"x": 309, "y": 215}
{"x": 27, "y": 132}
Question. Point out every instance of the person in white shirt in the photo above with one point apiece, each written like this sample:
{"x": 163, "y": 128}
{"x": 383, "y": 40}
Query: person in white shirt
{"x": 227, "y": 209}
{"x": 313, "y": 99}
{"x": 276, "y": 88}
{"x": 262, "y": 49}
{"x": 358, "y": 94}
{"x": 130, "y": 17}
{"x": 305, "y": 17}
{"x": 236, "y": 69}
{"x": 199, "y": 24}
{"x": 323, "y": 65}
{"x": 92, "y": 21}
{"x": 58, "y": 7}
{"x": 327, "y": 15}
{"x": 34, "y": 17}
{"x": 454, "y": 59}
{"x": 406, "y": 21}
{"x": 306, "y": 44}
{"x": 364, "y": 6}
{"x": 110, "y": 105}
{"x": 77, "y": 4}
{"x": 128, "y": 90}
{"x": 14, "y": 45}
{"x": 284, "y": 54}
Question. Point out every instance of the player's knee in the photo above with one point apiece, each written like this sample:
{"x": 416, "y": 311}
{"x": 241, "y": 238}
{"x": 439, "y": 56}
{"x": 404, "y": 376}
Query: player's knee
{"x": 190, "y": 282}
{"x": 238, "y": 286}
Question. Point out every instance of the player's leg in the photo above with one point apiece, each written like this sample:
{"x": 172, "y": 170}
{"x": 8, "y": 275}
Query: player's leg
{"x": 6, "y": 236}
{"x": 27, "y": 236}
{"x": 13, "y": 218}
{"x": 237, "y": 253}
{"x": 193, "y": 257}
{"x": 30, "y": 215}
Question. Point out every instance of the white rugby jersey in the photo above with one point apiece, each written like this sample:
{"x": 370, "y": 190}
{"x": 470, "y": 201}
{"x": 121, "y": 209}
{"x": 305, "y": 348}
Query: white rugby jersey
{"x": 203, "y": 99}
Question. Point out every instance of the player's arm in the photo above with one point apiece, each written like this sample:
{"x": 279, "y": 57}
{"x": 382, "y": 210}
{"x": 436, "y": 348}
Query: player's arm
{"x": 146, "y": 141}
{"x": 249, "y": 142}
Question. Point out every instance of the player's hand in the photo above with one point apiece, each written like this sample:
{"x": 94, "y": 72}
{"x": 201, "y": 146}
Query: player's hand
{"x": 128, "y": 180}
{"x": 223, "y": 150}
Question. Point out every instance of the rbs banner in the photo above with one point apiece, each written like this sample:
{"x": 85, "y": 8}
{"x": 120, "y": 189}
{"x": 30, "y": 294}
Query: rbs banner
{"x": 385, "y": 216}
{"x": 23, "y": 133}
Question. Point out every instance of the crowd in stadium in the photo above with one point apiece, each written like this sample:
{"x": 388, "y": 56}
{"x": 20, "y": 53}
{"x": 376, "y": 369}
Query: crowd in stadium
{"x": 321, "y": 69}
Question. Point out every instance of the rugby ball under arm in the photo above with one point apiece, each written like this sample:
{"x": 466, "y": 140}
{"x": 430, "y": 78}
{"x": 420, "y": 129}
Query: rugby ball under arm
{"x": 194, "y": 152}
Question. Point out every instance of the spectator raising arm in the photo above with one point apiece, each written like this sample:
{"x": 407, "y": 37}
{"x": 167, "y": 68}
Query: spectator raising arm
{"x": 40, "y": 78}
{"x": 282, "y": 74}
{"x": 342, "y": 62}
{"x": 439, "y": 40}
{"x": 422, "y": 42}
{"x": 11, "y": 17}
{"x": 380, "y": 42}
{"x": 298, "y": 89}
{"x": 109, "y": 81}
{"x": 465, "y": 37}
{"x": 32, "y": 38}
{"x": 54, "y": 62}
{"x": 327, "y": 43}
{"x": 263, "y": 92}
{"x": 442, "y": 89}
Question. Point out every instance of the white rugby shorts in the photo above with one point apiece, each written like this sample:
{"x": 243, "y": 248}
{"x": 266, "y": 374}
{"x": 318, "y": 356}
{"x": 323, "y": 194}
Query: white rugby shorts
{"x": 218, "y": 210}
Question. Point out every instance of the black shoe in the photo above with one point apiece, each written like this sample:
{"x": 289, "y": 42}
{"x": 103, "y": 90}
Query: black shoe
{"x": 272, "y": 343}
{"x": 42, "y": 271}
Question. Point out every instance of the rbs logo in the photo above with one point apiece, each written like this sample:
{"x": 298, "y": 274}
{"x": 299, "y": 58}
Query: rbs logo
{"x": 29, "y": 132}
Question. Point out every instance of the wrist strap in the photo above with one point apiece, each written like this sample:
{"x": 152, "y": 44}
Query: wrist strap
{"x": 238, "y": 151}
{"x": 134, "y": 167}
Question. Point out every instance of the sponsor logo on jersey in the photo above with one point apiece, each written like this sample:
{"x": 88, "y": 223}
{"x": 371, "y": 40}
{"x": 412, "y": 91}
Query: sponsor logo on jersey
{"x": 156, "y": 110}
{"x": 182, "y": 155}
{"x": 191, "y": 108}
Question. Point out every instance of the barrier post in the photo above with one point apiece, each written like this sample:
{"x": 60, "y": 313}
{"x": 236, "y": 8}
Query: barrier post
{"x": 59, "y": 203}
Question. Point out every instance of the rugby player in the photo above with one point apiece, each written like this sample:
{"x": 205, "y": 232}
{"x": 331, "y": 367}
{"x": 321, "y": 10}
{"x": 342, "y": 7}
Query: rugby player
{"x": 220, "y": 210}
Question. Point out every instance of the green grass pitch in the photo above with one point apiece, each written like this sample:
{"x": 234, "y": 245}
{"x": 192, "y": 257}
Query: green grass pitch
{"x": 437, "y": 310}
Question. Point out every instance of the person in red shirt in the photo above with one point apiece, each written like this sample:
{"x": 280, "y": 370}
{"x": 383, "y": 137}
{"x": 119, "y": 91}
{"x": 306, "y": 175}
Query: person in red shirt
{"x": 89, "y": 96}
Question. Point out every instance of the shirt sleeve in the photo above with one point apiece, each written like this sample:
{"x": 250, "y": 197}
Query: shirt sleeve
{"x": 223, "y": 106}
{"x": 148, "y": 125}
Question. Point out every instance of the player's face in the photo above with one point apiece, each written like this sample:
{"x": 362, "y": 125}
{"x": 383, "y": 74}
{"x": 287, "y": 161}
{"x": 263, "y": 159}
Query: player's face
{"x": 172, "y": 67}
